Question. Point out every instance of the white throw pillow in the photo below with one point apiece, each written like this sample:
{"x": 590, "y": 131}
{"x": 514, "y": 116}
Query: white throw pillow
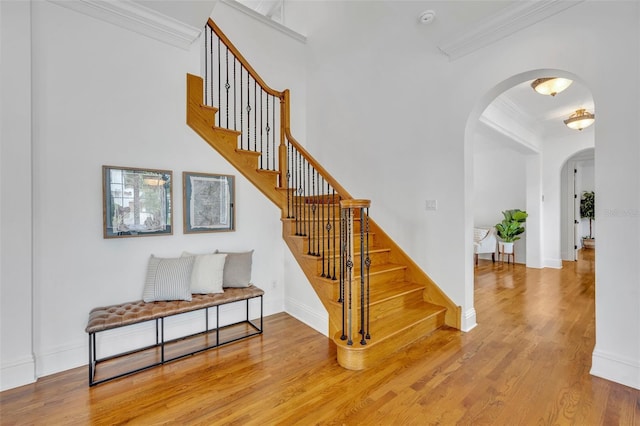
{"x": 207, "y": 274}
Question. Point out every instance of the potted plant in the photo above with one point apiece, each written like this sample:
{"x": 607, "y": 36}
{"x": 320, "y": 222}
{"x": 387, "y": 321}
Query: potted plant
{"x": 509, "y": 229}
{"x": 588, "y": 211}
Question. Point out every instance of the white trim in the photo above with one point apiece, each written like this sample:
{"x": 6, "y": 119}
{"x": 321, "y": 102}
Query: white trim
{"x": 17, "y": 373}
{"x": 508, "y": 133}
{"x": 265, "y": 20}
{"x": 552, "y": 263}
{"x": 61, "y": 358}
{"x": 508, "y": 21}
{"x": 469, "y": 320}
{"x": 137, "y": 18}
{"x": 616, "y": 368}
{"x": 308, "y": 316}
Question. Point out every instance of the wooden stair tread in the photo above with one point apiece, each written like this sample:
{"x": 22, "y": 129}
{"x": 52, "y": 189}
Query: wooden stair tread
{"x": 336, "y": 253}
{"x": 383, "y": 292}
{"x": 396, "y": 323}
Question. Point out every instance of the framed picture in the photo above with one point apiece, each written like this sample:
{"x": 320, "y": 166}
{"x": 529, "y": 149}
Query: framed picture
{"x": 208, "y": 201}
{"x": 136, "y": 202}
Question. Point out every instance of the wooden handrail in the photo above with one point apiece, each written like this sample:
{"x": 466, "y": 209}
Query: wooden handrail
{"x": 312, "y": 161}
{"x": 242, "y": 60}
{"x": 285, "y": 109}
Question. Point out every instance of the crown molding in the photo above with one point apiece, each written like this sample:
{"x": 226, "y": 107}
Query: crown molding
{"x": 495, "y": 116}
{"x": 138, "y": 18}
{"x": 527, "y": 147}
{"x": 511, "y": 19}
{"x": 265, "y": 20}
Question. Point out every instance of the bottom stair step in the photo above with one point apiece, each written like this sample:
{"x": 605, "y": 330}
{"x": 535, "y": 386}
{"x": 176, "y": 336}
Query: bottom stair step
{"x": 390, "y": 334}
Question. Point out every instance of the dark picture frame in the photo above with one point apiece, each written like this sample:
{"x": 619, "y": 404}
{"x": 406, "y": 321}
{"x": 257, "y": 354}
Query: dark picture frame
{"x": 208, "y": 202}
{"x": 136, "y": 202}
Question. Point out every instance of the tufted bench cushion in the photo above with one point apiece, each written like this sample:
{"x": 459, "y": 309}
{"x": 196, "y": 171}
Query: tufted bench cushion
{"x": 107, "y": 317}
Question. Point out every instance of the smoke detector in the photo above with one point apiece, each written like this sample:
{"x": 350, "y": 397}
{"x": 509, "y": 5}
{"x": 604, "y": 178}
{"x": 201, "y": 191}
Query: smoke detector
{"x": 427, "y": 16}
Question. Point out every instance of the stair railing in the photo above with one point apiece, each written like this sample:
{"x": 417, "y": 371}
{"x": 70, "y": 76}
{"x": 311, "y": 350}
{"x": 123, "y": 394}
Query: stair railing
{"x": 245, "y": 103}
{"x": 350, "y": 291}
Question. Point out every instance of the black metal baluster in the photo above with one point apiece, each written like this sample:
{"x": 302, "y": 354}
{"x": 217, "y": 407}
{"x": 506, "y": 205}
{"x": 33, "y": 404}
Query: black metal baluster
{"x": 207, "y": 31}
{"x": 248, "y": 111}
{"x": 362, "y": 280}
{"x": 235, "y": 127}
{"x": 288, "y": 175}
{"x": 268, "y": 128}
{"x": 219, "y": 91}
{"x": 368, "y": 265}
{"x": 299, "y": 195}
{"x": 314, "y": 211}
{"x": 227, "y": 86}
{"x": 319, "y": 222}
{"x": 241, "y": 110}
{"x": 333, "y": 200}
{"x": 342, "y": 276}
{"x": 211, "y": 66}
{"x": 261, "y": 113}
{"x": 323, "y": 236}
{"x": 349, "y": 279}
{"x": 255, "y": 115}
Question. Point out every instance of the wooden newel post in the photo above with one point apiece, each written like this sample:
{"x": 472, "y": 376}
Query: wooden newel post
{"x": 350, "y": 292}
{"x": 282, "y": 148}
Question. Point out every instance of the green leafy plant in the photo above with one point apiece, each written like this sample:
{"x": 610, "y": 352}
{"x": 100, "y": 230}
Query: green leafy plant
{"x": 511, "y": 226}
{"x": 588, "y": 208}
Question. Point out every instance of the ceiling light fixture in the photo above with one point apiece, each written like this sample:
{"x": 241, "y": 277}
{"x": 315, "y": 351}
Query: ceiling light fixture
{"x": 550, "y": 85}
{"x": 580, "y": 119}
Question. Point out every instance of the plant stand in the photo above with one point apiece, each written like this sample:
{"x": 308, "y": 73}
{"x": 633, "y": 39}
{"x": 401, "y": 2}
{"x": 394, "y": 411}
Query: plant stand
{"x": 508, "y": 250}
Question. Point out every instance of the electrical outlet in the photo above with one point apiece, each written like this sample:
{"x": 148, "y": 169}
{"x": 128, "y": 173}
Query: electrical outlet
{"x": 431, "y": 205}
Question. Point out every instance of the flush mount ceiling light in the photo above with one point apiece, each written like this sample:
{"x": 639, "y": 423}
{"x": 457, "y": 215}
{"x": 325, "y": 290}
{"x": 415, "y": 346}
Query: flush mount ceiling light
{"x": 550, "y": 85}
{"x": 580, "y": 119}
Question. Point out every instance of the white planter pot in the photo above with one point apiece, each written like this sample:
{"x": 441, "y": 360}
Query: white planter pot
{"x": 506, "y": 248}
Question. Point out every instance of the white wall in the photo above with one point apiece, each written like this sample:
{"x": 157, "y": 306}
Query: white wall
{"x": 105, "y": 95}
{"x": 403, "y": 117}
{"x": 17, "y": 365}
{"x": 499, "y": 179}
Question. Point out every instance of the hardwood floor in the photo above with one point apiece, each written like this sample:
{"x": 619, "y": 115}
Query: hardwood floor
{"x": 527, "y": 363}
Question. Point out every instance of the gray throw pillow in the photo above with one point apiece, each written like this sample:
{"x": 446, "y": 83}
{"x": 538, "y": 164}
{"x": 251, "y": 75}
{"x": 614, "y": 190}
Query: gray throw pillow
{"x": 237, "y": 269}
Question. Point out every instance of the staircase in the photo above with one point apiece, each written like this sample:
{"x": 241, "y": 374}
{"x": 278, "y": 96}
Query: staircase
{"x": 396, "y": 301}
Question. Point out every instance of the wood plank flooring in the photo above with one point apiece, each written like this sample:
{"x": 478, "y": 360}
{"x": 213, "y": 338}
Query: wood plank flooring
{"x": 527, "y": 363}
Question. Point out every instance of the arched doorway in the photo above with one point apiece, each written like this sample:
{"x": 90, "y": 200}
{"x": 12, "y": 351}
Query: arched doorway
{"x": 546, "y": 153}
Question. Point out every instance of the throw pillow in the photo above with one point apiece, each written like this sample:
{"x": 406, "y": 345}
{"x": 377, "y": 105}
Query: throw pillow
{"x": 207, "y": 273}
{"x": 168, "y": 279}
{"x": 237, "y": 269}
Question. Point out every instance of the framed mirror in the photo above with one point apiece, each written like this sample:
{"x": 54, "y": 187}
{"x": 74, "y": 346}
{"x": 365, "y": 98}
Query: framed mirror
{"x": 136, "y": 202}
{"x": 208, "y": 201}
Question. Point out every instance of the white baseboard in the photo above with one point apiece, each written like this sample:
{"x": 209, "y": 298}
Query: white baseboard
{"x": 469, "y": 320}
{"x": 625, "y": 371}
{"x": 317, "y": 321}
{"x": 62, "y": 358}
{"x": 17, "y": 373}
{"x": 553, "y": 263}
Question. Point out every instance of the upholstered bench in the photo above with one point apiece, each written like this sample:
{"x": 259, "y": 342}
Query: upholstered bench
{"x": 127, "y": 314}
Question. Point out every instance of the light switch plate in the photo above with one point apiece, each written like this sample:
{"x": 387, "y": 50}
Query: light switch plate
{"x": 431, "y": 205}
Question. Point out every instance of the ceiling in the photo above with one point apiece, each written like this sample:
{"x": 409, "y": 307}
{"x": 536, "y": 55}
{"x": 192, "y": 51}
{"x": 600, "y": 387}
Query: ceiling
{"x": 544, "y": 115}
{"x": 464, "y": 26}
